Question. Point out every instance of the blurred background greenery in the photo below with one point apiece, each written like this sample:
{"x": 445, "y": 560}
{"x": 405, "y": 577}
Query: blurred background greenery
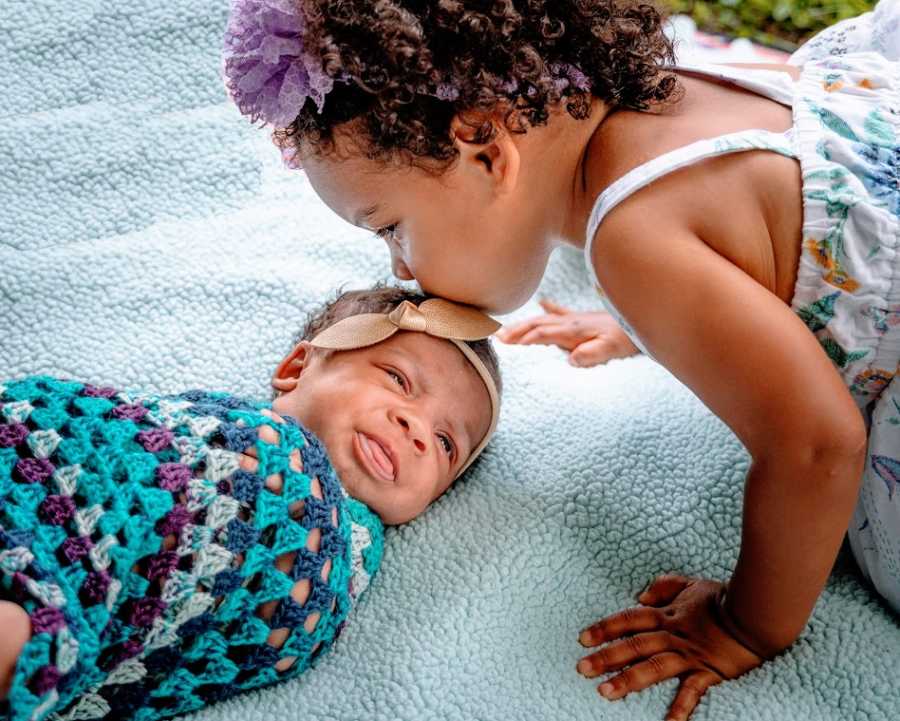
{"x": 782, "y": 24}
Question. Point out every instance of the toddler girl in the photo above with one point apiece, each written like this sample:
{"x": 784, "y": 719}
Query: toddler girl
{"x": 741, "y": 223}
{"x": 158, "y": 553}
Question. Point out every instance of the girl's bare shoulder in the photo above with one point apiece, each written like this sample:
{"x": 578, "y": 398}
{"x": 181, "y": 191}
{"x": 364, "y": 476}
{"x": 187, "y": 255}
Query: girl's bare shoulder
{"x": 746, "y": 206}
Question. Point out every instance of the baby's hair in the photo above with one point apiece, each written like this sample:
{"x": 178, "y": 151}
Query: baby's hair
{"x": 382, "y": 298}
{"x": 406, "y": 68}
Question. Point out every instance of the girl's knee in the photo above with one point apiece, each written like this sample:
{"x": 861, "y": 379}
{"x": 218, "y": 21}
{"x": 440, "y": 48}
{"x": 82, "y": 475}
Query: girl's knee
{"x": 16, "y": 630}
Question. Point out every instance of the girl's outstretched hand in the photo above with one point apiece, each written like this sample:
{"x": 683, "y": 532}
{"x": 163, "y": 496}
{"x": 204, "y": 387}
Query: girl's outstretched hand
{"x": 590, "y": 338}
{"x": 679, "y": 630}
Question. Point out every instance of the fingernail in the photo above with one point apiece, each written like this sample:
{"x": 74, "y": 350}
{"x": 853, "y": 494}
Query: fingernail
{"x": 583, "y": 667}
{"x": 584, "y": 638}
{"x": 606, "y": 689}
{"x": 574, "y": 362}
{"x": 644, "y": 597}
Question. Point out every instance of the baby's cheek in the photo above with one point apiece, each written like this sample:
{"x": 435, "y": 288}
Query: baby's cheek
{"x": 403, "y": 504}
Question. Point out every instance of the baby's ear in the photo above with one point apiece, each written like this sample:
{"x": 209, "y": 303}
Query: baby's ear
{"x": 287, "y": 374}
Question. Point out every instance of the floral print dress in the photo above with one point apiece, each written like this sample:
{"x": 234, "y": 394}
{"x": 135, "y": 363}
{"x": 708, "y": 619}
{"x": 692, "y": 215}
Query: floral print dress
{"x": 846, "y": 137}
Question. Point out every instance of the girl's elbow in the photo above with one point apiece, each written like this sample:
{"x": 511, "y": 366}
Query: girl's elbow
{"x": 848, "y": 443}
{"x": 838, "y": 466}
{"x": 840, "y": 449}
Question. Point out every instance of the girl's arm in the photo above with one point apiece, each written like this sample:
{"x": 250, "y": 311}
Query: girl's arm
{"x": 754, "y": 363}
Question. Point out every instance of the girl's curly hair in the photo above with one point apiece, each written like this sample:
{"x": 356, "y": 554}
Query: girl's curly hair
{"x": 406, "y": 68}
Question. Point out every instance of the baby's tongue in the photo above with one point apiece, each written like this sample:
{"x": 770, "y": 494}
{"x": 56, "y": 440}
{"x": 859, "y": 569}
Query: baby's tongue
{"x": 381, "y": 458}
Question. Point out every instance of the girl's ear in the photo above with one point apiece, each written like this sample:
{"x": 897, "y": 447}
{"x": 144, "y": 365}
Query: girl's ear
{"x": 287, "y": 374}
{"x": 496, "y": 161}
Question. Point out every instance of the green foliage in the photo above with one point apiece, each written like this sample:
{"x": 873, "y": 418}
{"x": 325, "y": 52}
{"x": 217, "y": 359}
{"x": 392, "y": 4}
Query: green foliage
{"x": 780, "y": 23}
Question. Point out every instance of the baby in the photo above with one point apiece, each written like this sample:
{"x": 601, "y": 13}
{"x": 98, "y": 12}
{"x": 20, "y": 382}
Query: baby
{"x": 158, "y": 553}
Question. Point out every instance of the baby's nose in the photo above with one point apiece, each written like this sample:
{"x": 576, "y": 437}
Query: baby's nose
{"x": 413, "y": 432}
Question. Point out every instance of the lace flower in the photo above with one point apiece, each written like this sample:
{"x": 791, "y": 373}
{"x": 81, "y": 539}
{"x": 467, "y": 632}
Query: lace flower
{"x": 267, "y": 71}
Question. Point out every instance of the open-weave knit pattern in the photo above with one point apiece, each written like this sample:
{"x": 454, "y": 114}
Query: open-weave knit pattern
{"x": 143, "y": 552}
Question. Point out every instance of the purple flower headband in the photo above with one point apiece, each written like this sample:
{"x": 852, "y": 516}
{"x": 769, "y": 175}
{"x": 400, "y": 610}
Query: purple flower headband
{"x": 269, "y": 74}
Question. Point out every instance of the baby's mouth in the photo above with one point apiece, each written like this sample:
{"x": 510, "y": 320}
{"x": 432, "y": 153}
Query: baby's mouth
{"x": 374, "y": 457}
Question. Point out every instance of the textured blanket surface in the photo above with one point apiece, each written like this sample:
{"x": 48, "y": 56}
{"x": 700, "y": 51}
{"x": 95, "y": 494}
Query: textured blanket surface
{"x": 149, "y": 238}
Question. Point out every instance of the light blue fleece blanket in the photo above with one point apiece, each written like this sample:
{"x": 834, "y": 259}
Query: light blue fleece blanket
{"x": 150, "y": 238}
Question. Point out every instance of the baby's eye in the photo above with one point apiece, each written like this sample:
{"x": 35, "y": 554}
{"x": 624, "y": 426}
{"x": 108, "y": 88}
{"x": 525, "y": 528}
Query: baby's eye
{"x": 398, "y": 379}
{"x": 446, "y": 443}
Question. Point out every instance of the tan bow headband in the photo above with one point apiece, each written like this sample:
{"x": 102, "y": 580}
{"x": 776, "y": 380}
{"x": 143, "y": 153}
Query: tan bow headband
{"x": 436, "y": 317}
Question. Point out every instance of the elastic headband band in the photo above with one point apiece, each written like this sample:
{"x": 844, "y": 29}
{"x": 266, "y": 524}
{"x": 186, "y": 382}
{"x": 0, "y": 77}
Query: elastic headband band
{"x": 436, "y": 317}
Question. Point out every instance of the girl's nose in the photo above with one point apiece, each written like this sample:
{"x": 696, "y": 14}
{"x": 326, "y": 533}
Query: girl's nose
{"x": 413, "y": 429}
{"x": 400, "y": 270}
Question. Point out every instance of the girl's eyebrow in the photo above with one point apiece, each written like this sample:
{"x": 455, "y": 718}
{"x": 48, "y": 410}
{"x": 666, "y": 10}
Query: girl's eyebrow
{"x": 366, "y": 214}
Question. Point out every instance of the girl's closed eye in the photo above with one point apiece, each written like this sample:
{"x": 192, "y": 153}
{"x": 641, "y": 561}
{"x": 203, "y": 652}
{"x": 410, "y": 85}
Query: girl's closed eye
{"x": 388, "y": 232}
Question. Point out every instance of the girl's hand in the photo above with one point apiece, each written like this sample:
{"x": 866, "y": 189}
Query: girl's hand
{"x": 590, "y": 338}
{"x": 680, "y": 630}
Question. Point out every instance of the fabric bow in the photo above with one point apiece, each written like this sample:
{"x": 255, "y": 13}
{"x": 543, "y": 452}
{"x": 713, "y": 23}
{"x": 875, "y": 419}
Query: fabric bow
{"x": 436, "y": 317}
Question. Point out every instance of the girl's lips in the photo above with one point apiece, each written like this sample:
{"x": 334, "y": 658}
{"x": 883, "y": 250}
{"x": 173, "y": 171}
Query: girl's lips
{"x": 374, "y": 457}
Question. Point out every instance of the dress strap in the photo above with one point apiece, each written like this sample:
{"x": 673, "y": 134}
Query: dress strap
{"x": 777, "y": 85}
{"x": 773, "y": 84}
{"x": 666, "y": 163}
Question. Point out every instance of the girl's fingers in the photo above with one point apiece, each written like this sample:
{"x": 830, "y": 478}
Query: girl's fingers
{"x": 625, "y": 652}
{"x": 550, "y": 307}
{"x": 624, "y": 623}
{"x": 663, "y": 590}
{"x": 657, "y": 668}
{"x": 548, "y": 335}
{"x": 592, "y": 352}
{"x": 511, "y": 334}
{"x": 689, "y": 694}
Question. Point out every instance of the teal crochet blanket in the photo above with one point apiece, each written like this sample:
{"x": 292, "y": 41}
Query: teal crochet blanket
{"x": 150, "y": 238}
{"x": 159, "y": 573}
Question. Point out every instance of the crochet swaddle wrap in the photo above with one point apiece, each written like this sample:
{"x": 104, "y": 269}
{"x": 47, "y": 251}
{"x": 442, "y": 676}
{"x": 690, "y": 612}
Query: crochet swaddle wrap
{"x": 94, "y": 486}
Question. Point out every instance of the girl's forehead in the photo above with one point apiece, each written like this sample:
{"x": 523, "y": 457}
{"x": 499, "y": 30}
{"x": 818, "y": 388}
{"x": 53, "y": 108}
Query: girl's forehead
{"x": 350, "y": 183}
{"x": 347, "y": 185}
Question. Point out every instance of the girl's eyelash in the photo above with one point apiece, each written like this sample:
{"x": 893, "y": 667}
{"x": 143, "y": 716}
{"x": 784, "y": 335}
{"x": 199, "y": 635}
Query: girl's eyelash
{"x": 388, "y": 232}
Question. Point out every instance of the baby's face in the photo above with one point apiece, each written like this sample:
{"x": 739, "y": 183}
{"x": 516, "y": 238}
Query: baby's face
{"x": 398, "y": 418}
